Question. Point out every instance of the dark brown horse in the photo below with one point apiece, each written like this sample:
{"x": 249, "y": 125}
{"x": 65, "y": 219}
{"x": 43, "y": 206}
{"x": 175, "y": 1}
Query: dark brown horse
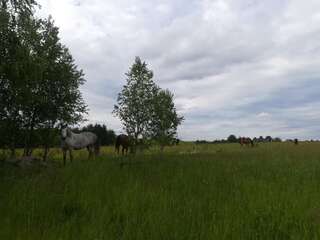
{"x": 124, "y": 141}
{"x": 246, "y": 141}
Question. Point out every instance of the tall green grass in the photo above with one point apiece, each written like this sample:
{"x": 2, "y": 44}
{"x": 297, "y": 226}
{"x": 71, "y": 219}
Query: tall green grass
{"x": 187, "y": 192}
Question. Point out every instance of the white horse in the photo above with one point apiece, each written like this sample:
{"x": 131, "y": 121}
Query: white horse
{"x": 73, "y": 141}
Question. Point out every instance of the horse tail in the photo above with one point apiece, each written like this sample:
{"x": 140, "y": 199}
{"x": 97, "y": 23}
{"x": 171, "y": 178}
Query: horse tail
{"x": 241, "y": 141}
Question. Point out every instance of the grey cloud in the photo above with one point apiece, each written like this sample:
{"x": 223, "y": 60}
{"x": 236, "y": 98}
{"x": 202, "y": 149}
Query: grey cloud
{"x": 243, "y": 67}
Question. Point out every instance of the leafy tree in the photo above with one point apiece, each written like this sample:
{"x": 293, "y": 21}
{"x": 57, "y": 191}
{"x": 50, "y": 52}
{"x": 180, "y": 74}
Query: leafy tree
{"x": 24, "y": 7}
{"x": 146, "y": 111}
{"x": 15, "y": 19}
{"x": 232, "y": 139}
{"x": 55, "y": 97}
{"x": 134, "y": 106}
{"x": 39, "y": 82}
{"x": 261, "y": 139}
{"x": 165, "y": 119}
{"x": 268, "y": 139}
{"x": 61, "y": 101}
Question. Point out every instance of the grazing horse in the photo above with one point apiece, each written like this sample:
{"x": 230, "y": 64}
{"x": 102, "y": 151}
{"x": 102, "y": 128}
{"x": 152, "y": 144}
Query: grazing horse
{"x": 246, "y": 141}
{"x": 73, "y": 141}
{"x": 124, "y": 141}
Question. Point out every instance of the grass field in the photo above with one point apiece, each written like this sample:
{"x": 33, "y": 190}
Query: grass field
{"x": 189, "y": 192}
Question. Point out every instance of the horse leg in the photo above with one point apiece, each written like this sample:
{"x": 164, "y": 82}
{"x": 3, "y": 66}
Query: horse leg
{"x": 91, "y": 155}
{"x": 115, "y": 148}
{"x": 64, "y": 156}
{"x": 70, "y": 154}
{"x": 89, "y": 152}
{"x": 118, "y": 149}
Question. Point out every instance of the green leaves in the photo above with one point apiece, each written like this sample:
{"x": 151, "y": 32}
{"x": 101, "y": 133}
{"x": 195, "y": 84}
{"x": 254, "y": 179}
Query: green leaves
{"x": 39, "y": 81}
{"x": 135, "y": 99}
{"x": 144, "y": 109}
{"x": 165, "y": 119}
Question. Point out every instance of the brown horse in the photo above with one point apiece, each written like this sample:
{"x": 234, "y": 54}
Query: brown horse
{"x": 246, "y": 141}
{"x": 124, "y": 141}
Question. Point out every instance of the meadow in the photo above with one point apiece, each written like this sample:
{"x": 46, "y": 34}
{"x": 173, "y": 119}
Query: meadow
{"x": 190, "y": 191}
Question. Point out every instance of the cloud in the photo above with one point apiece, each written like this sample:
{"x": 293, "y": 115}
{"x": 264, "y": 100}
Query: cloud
{"x": 240, "y": 67}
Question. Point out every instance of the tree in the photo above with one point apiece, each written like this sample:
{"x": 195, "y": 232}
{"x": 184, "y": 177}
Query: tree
{"x": 268, "y": 139}
{"x": 165, "y": 119}
{"x": 15, "y": 21}
{"x": 146, "y": 111}
{"x": 19, "y": 6}
{"x": 39, "y": 82}
{"x": 58, "y": 100}
{"x": 232, "y": 139}
{"x": 61, "y": 101}
{"x": 106, "y": 137}
{"x": 134, "y": 106}
{"x": 277, "y": 139}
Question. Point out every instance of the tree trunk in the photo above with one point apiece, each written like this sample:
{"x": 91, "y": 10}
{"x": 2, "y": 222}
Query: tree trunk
{"x": 162, "y": 148}
{"x": 12, "y": 150}
{"x": 47, "y": 137}
{"x": 28, "y": 142}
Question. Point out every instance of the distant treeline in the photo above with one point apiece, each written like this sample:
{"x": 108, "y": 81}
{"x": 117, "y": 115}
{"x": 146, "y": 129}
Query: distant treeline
{"x": 233, "y": 139}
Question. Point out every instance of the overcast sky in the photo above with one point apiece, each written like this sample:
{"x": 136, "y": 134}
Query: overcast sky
{"x": 243, "y": 67}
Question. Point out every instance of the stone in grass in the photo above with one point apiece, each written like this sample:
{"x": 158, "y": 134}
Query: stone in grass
{"x": 26, "y": 161}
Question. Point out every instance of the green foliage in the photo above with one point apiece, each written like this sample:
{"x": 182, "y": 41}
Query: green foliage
{"x": 39, "y": 81}
{"x": 146, "y": 111}
{"x": 106, "y": 137}
{"x": 165, "y": 119}
{"x": 25, "y": 7}
{"x": 232, "y": 139}
{"x": 61, "y": 99}
{"x": 134, "y": 106}
{"x": 15, "y": 66}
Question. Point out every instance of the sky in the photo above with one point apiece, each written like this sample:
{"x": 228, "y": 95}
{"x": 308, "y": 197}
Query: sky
{"x": 243, "y": 67}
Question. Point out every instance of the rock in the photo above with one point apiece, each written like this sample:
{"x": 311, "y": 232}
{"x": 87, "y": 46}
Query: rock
{"x": 26, "y": 161}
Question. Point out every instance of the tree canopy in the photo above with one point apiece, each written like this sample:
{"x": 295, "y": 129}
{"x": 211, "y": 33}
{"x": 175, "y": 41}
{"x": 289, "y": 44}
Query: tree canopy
{"x": 145, "y": 110}
{"x": 39, "y": 81}
{"x": 106, "y": 136}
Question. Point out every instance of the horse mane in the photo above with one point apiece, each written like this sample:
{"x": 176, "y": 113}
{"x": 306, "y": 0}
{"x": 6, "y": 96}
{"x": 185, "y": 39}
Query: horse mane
{"x": 69, "y": 132}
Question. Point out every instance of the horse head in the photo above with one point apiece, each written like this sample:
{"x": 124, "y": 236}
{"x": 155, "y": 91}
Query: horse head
{"x": 65, "y": 132}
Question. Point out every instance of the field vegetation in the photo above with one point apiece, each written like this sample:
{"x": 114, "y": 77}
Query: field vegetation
{"x": 190, "y": 191}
